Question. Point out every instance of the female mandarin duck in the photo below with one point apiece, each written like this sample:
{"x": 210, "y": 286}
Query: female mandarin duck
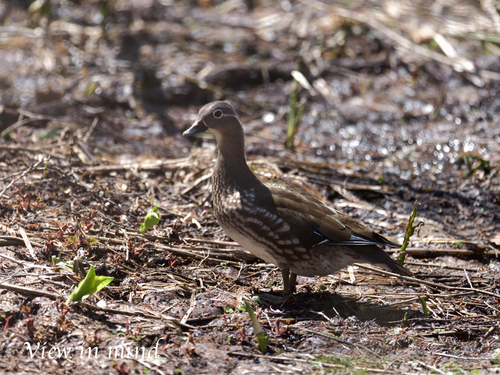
{"x": 278, "y": 221}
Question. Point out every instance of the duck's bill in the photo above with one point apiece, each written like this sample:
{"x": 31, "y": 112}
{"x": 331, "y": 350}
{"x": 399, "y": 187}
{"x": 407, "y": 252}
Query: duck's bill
{"x": 197, "y": 127}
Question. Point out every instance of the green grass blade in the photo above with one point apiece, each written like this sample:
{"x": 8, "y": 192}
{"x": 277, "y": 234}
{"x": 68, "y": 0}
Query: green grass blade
{"x": 410, "y": 229}
{"x": 262, "y": 338}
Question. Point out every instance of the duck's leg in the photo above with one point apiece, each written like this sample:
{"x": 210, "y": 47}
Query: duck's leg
{"x": 285, "y": 272}
{"x": 293, "y": 282}
{"x": 289, "y": 282}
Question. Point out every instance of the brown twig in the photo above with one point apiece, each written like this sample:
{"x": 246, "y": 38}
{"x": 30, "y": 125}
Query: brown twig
{"x": 430, "y": 283}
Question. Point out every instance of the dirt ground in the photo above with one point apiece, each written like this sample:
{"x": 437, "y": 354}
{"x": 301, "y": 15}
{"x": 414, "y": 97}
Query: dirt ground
{"x": 397, "y": 102}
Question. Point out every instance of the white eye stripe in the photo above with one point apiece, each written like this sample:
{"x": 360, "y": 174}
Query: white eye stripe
{"x": 218, "y": 114}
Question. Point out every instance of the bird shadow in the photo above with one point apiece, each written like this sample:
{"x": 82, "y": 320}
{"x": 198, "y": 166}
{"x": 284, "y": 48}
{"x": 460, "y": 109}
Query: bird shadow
{"x": 306, "y": 306}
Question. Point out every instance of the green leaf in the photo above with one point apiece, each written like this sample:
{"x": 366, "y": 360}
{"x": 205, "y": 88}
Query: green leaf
{"x": 84, "y": 287}
{"x": 474, "y": 163}
{"x": 57, "y": 261}
{"x": 90, "y": 88}
{"x": 410, "y": 230}
{"x": 150, "y": 220}
{"x": 296, "y": 106}
{"x": 102, "y": 282}
{"x": 73, "y": 239}
{"x": 262, "y": 338}
{"x": 424, "y": 305}
{"x": 88, "y": 286}
{"x": 91, "y": 241}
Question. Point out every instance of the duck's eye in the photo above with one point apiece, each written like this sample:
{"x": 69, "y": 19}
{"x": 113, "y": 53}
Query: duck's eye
{"x": 217, "y": 113}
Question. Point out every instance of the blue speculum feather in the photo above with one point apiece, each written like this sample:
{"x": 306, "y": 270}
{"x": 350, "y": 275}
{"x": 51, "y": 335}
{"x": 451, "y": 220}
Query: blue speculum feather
{"x": 353, "y": 241}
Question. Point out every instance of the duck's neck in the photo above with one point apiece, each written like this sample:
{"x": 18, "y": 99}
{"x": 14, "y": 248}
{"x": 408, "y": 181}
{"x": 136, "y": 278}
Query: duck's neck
{"x": 231, "y": 168}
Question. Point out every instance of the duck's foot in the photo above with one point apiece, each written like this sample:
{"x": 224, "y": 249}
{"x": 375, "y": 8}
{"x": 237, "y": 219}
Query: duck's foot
{"x": 289, "y": 287}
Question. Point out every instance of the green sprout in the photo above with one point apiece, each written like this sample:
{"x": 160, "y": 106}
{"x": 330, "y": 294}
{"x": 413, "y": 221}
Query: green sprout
{"x": 474, "y": 163}
{"x": 88, "y": 286}
{"x": 424, "y": 305}
{"x": 150, "y": 220}
{"x": 296, "y": 110}
{"x": 262, "y": 338}
{"x": 58, "y": 261}
{"x": 410, "y": 230}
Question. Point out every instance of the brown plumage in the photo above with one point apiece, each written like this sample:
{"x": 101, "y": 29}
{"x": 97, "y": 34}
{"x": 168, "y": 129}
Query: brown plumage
{"x": 278, "y": 221}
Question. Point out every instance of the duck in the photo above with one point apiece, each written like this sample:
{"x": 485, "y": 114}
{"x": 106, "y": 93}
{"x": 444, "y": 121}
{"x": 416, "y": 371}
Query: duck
{"x": 277, "y": 220}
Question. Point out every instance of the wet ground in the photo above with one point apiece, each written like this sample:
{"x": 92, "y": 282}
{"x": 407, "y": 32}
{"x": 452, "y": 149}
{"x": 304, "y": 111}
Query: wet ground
{"x": 398, "y": 102}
